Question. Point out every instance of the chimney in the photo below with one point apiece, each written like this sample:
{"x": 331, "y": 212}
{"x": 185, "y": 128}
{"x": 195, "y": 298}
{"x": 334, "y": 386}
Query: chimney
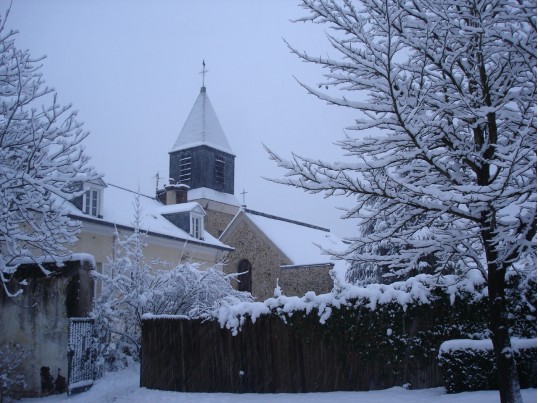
{"x": 176, "y": 194}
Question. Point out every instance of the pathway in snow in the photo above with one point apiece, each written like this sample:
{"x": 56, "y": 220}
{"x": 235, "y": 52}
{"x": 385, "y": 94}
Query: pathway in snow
{"x": 122, "y": 387}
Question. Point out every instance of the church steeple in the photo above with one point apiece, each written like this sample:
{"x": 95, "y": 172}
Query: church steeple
{"x": 202, "y": 127}
{"x": 201, "y": 156}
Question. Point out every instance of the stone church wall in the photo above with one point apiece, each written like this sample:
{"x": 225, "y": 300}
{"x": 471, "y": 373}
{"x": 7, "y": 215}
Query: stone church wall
{"x": 216, "y": 222}
{"x": 265, "y": 261}
{"x": 298, "y": 280}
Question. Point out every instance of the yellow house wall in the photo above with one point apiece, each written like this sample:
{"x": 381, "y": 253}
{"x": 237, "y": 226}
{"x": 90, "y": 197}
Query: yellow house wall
{"x": 99, "y": 241}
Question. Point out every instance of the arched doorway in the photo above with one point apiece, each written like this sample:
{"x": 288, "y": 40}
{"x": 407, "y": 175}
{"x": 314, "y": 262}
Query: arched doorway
{"x": 245, "y": 278}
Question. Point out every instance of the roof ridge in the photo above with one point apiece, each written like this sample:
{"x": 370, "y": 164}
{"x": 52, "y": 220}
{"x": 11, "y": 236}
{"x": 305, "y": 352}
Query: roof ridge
{"x": 274, "y": 217}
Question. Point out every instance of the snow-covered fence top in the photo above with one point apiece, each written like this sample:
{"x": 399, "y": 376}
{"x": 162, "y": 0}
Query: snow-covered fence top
{"x": 413, "y": 291}
{"x": 416, "y": 290}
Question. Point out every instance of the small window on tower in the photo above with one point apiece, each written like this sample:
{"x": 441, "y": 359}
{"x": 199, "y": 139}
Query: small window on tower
{"x": 219, "y": 170}
{"x": 185, "y": 169}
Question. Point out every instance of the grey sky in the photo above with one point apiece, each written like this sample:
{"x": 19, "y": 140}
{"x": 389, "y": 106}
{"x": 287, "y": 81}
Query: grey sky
{"x": 131, "y": 70}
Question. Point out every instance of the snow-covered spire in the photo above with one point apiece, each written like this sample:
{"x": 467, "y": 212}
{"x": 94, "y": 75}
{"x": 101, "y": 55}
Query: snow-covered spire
{"x": 202, "y": 127}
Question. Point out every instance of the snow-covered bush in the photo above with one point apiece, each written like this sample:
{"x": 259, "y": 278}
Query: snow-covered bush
{"x": 469, "y": 365}
{"x": 392, "y": 332}
{"x": 132, "y": 287}
{"x": 11, "y": 356}
{"x": 391, "y": 322}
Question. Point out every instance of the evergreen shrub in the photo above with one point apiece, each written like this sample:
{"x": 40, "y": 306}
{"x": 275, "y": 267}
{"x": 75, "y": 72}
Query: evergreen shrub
{"x": 469, "y": 365}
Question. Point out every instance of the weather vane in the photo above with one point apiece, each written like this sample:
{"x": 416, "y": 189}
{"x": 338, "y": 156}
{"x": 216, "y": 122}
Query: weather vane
{"x": 203, "y": 73}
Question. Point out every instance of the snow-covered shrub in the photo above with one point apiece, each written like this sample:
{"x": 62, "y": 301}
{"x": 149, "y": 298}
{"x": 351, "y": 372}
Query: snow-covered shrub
{"x": 132, "y": 287}
{"x": 391, "y": 323}
{"x": 469, "y": 365}
{"x": 11, "y": 356}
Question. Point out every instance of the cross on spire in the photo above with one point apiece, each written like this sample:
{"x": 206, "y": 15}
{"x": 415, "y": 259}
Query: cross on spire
{"x": 244, "y": 193}
{"x": 203, "y": 73}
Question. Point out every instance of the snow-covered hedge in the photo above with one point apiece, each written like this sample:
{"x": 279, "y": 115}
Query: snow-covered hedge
{"x": 393, "y": 330}
{"x": 461, "y": 299}
{"x": 469, "y": 365}
{"x": 395, "y": 322}
{"x": 420, "y": 290}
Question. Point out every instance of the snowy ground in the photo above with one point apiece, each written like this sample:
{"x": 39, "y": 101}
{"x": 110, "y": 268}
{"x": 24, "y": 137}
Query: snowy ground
{"x": 123, "y": 387}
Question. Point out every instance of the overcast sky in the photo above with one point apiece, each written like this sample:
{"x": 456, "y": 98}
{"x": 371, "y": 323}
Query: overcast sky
{"x": 131, "y": 69}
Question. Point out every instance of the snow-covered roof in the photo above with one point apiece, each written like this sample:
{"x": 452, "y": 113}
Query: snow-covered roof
{"x": 181, "y": 208}
{"x": 211, "y": 194}
{"x": 118, "y": 209}
{"x": 302, "y": 243}
{"x": 202, "y": 127}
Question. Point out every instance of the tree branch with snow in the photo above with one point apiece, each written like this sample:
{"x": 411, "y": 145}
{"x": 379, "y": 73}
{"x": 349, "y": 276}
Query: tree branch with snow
{"x": 444, "y": 170}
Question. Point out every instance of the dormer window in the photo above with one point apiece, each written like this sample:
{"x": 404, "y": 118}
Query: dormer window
{"x": 92, "y": 200}
{"x": 197, "y": 225}
{"x": 187, "y": 216}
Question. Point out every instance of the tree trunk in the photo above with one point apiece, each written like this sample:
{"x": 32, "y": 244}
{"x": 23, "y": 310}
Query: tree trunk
{"x": 507, "y": 376}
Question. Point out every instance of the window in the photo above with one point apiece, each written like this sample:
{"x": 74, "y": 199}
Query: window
{"x": 91, "y": 202}
{"x": 197, "y": 226}
{"x": 219, "y": 170}
{"x": 245, "y": 276}
{"x": 185, "y": 169}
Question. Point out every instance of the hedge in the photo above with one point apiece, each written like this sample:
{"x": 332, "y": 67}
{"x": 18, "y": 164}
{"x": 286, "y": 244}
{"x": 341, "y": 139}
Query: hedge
{"x": 469, "y": 365}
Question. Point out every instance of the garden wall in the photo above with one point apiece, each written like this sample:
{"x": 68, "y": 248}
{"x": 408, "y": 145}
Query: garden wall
{"x": 38, "y": 319}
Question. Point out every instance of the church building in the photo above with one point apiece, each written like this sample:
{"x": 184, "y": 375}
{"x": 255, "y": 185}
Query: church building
{"x": 197, "y": 217}
{"x": 266, "y": 249}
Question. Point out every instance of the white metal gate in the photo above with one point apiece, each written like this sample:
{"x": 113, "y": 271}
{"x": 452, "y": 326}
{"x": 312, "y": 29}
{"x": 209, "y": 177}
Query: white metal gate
{"x": 81, "y": 360}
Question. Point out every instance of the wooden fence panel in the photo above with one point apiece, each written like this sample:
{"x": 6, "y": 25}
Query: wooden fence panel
{"x": 265, "y": 357}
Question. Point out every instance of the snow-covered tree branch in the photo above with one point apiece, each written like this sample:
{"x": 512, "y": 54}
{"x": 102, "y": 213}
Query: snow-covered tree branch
{"x": 445, "y": 93}
{"x": 42, "y": 164}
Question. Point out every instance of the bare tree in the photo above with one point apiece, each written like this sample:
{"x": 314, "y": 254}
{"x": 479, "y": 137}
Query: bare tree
{"x": 42, "y": 164}
{"x": 445, "y": 93}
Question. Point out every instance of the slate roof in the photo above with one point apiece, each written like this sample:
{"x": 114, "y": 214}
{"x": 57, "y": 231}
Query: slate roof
{"x": 202, "y": 127}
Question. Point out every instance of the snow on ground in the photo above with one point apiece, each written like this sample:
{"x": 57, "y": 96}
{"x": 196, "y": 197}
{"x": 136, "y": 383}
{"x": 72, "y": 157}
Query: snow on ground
{"x": 122, "y": 387}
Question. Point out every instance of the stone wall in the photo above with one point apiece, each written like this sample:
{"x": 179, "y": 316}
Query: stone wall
{"x": 38, "y": 319}
{"x": 266, "y": 261}
{"x": 298, "y": 280}
{"x": 215, "y": 222}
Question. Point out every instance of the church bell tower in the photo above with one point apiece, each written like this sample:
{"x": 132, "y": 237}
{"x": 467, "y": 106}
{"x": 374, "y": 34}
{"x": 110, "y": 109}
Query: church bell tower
{"x": 202, "y": 159}
{"x": 201, "y": 156}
